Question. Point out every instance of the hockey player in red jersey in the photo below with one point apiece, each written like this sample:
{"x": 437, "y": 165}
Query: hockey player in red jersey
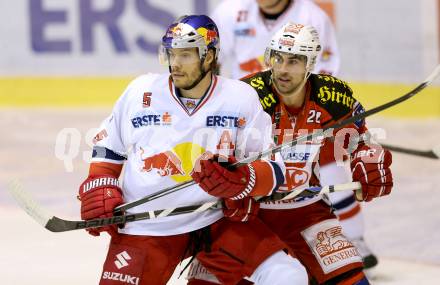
{"x": 248, "y": 25}
{"x": 300, "y": 102}
{"x": 156, "y": 135}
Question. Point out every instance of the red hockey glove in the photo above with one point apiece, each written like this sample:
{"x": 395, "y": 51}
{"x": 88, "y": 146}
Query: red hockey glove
{"x": 99, "y": 195}
{"x": 221, "y": 182}
{"x": 370, "y": 165}
{"x": 242, "y": 210}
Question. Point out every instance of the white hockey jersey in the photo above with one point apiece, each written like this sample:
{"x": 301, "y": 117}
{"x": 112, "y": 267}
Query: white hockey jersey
{"x": 245, "y": 34}
{"x": 159, "y": 140}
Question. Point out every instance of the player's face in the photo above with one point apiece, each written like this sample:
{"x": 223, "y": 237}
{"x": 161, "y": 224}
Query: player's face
{"x": 185, "y": 66}
{"x": 288, "y": 71}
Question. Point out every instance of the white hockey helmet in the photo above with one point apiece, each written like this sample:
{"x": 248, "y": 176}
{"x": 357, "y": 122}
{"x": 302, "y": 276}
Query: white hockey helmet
{"x": 295, "y": 39}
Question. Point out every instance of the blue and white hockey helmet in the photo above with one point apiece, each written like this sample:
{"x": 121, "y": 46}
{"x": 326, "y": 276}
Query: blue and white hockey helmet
{"x": 197, "y": 31}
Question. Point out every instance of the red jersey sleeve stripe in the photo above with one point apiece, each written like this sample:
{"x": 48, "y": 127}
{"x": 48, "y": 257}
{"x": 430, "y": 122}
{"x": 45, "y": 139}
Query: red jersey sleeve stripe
{"x": 105, "y": 168}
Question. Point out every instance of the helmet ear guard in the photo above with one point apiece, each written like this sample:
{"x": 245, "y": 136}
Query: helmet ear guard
{"x": 163, "y": 55}
{"x": 267, "y": 56}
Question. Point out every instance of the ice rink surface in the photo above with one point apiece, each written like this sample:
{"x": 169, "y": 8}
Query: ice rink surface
{"x": 403, "y": 229}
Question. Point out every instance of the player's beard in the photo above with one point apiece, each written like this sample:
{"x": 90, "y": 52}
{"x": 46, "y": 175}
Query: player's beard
{"x": 288, "y": 84}
{"x": 272, "y": 4}
{"x": 191, "y": 79}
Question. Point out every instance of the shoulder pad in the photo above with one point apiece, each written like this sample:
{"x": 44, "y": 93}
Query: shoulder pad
{"x": 332, "y": 94}
{"x": 261, "y": 82}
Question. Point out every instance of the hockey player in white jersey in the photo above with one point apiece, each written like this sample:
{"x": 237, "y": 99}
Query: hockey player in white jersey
{"x": 160, "y": 126}
{"x": 246, "y": 27}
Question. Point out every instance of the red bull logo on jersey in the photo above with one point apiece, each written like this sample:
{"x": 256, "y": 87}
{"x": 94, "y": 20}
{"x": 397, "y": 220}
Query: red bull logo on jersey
{"x": 225, "y": 121}
{"x": 165, "y": 164}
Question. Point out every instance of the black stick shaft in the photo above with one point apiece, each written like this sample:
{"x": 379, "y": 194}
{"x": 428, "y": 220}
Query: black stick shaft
{"x": 421, "y": 153}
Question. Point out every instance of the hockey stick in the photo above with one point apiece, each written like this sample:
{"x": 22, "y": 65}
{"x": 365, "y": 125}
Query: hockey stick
{"x": 56, "y": 224}
{"x": 433, "y": 153}
{"x": 289, "y": 144}
{"x": 312, "y": 191}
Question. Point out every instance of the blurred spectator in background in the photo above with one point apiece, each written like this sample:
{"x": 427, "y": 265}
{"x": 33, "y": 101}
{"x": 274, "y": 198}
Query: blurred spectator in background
{"x": 246, "y": 27}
